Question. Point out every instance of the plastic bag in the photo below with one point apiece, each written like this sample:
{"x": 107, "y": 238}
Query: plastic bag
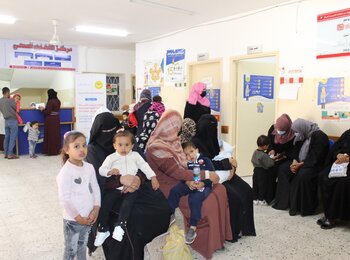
{"x": 338, "y": 170}
{"x": 175, "y": 247}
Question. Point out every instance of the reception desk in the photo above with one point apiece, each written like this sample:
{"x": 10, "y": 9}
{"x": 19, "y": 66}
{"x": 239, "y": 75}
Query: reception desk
{"x": 29, "y": 115}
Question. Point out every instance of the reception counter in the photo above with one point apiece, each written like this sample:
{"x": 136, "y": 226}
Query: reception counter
{"x": 29, "y": 115}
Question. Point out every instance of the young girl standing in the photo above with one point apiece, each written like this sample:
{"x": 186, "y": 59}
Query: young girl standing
{"x": 79, "y": 195}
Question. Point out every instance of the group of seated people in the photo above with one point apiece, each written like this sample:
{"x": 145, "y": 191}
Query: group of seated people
{"x": 294, "y": 164}
{"x": 219, "y": 206}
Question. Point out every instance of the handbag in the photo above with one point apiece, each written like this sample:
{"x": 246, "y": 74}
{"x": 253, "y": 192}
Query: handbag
{"x": 338, "y": 170}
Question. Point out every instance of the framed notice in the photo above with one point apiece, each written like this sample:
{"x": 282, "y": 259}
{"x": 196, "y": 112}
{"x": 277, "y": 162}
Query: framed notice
{"x": 333, "y": 34}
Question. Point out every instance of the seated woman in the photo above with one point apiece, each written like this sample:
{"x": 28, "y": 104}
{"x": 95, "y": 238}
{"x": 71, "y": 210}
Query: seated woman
{"x": 298, "y": 180}
{"x": 335, "y": 192}
{"x": 239, "y": 193}
{"x": 281, "y": 147}
{"x": 197, "y": 104}
{"x": 165, "y": 156}
{"x": 150, "y": 214}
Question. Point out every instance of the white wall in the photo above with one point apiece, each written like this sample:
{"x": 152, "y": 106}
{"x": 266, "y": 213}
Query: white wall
{"x": 291, "y": 30}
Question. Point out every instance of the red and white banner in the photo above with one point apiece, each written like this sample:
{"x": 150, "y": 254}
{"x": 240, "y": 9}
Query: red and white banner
{"x": 333, "y": 34}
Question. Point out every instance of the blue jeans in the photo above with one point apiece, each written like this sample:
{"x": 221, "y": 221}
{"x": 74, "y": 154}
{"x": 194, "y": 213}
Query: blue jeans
{"x": 11, "y": 131}
{"x": 75, "y": 240}
{"x": 195, "y": 200}
{"x": 32, "y": 145}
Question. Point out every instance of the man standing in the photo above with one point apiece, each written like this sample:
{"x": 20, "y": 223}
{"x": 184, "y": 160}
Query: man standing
{"x": 8, "y": 109}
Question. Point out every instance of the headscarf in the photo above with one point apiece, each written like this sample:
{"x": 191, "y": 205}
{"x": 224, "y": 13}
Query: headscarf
{"x": 165, "y": 138}
{"x": 283, "y": 123}
{"x": 188, "y": 130}
{"x": 195, "y": 95}
{"x": 103, "y": 130}
{"x": 145, "y": 97}
{"x": 157, "y": 107}
{"x": 150, "y": 121}
{"x": 206, "y": 138}
{"x": 52, "y": 94}
{"x": 304, "y": 129}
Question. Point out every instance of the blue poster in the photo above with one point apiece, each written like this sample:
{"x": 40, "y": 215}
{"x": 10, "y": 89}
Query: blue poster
{"x": 155, "y": 91}
{"x": 256, "y": 85}
{"x": 214, "y": 98}
{"x": 175, "y": 65}
{"x": 331, "y": 90}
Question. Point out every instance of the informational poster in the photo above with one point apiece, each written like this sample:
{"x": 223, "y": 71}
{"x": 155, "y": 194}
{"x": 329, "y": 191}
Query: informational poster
{"x": 90, "y": 95}
{"x": 175, "y": 66}
{"x": 39, "y": 55}
{"x": 214, "y": 97}
{"x": 291, "y": 79}
{"x": 258, "y": 86}
{"x": 153, "y": 73}
{"x": 333, "y": 34}
{"x": 331, "y": 97}
{"x": 155, "y": 91}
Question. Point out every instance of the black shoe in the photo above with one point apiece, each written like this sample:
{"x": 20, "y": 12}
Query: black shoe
{"x": 293, "y": 213}
{"x": 321, "y": 220}
{"x": 327, "y": 224}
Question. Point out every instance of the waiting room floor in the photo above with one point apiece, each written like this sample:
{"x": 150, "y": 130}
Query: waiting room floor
{"x": 31, "y": 222}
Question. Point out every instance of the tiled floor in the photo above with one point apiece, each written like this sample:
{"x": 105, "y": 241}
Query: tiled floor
{"x": 31, "y": 222}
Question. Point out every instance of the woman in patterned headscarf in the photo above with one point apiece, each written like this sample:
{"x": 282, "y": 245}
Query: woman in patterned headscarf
{"x": 188, "y": 130}
{"x": 298, "y": 180}
{"x": 166, "y": 157}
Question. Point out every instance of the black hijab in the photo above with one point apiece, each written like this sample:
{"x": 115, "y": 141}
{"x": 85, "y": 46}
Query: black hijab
{"x": 206, "y": 138}
{"x": 102, "y": 131}
{"x": 52, "y": 94}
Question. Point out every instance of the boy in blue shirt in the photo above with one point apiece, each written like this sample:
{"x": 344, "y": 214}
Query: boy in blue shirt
{"x": 198, "y": 191}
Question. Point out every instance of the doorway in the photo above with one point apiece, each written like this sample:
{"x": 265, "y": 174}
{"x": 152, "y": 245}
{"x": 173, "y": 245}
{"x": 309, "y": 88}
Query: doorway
{"x": 255, "y": 79}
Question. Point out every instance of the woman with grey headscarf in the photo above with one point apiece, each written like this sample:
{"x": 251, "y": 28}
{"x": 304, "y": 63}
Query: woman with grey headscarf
{"x": 298, "y": 178}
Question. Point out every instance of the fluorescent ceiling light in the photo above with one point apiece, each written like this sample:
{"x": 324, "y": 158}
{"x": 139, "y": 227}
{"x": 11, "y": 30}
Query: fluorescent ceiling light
{"x": 100, "y": 30}
{"x": 163, "y": 6}
{"x": 7, "y": 19}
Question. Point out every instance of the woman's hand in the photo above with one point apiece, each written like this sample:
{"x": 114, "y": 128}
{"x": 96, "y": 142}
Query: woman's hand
{"x": 342, "y": 158}
{"x": 131, "y": 183}
{"x": 214, "y": 177}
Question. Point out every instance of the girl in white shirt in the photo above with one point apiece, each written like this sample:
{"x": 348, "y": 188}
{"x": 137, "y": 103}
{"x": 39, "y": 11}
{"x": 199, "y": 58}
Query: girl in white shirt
{"x": 79, "y": 195}
{"x": 123, "y": 162}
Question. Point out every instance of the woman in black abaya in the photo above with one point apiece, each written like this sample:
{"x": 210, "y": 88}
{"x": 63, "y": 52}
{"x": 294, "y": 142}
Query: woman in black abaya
{"x": 239, "y": 193}
{"x": 150, "y": 214}
{"x": 335, "y": 192}
{"x": 298, "y": 180}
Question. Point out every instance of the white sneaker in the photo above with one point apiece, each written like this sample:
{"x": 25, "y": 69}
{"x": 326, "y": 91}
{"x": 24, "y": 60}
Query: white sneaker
{"x": 101, "y": 237}
{"x": 118, "y": 233}
{"x": 256, "y": 202}
{"x": 262, "y": 202}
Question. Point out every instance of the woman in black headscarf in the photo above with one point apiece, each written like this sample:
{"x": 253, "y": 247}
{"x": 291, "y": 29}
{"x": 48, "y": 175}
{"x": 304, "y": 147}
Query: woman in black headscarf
{"x": 150, "y": 214}
{"x": 335, "y": 192}
{"x": 52, "y": 131}
{"x": 239, "y": 193}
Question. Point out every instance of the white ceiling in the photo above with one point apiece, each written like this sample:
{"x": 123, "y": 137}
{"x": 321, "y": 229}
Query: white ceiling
{"x": 143, "y": 22}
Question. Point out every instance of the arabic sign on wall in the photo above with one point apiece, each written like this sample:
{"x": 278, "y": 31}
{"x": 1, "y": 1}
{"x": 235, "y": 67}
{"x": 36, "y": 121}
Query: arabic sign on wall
{"x": 175, "y": 65}
{"x": 39, "y": 55}
{"x": 333, "y": 34}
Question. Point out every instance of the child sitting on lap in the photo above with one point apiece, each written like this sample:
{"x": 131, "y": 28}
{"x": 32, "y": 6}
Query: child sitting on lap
{"x": 123, "y": 162}
{"x": 198, "y": 190}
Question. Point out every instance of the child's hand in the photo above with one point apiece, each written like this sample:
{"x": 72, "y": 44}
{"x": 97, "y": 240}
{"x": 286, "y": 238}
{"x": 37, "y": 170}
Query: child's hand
{"x": 93, "y": 215}
{"x": 200, "y": 185}
{"x": 114, "y": 171}
{"x": 82, "y": 220}
{"x": 155, "y": 183}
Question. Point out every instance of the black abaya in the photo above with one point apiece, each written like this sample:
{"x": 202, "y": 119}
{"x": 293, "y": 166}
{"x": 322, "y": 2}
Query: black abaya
{"x": 335, "y": 192}
{"x": 150, "y": 214}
